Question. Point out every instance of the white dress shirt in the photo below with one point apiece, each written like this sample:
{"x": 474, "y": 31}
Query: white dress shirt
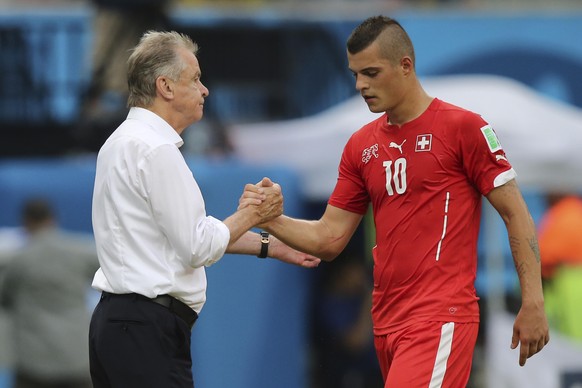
{"x": 150, "y": 224}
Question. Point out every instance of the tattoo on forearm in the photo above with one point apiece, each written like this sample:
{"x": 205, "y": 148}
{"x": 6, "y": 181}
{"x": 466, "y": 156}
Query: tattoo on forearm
{"x": 520, "y": 268}
{"x": 520, "y": 265}
{"x": 514, "y": 246}
{"x": 533, "y": 244}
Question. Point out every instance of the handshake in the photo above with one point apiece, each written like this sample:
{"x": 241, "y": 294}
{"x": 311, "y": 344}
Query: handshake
{"x": 263, "y": 202}
{"x": 265, "y": 199}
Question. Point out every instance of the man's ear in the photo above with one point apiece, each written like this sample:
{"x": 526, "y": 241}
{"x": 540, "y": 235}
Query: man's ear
{"x": 165, "y": 87}
{"x": 406, "y": 65}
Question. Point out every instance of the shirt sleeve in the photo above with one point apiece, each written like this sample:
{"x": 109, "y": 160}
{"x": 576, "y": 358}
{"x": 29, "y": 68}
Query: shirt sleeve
{"x": 179, "y": 210}
{"x": 350, "y": 192}
{"x": 483, "y": 157}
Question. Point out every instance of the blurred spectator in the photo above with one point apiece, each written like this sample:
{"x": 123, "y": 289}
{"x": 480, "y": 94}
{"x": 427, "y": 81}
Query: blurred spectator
{"x": 560, "y": 240}
{"x": 11, "y": 239}
{"x": 209, "y": 138}
{"x": 344, "y": 348}
{"x": 118, "y": 26}
{"x": 44, "y": 288}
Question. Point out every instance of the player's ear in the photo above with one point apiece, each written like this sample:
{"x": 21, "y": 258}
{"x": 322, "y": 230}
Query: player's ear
{"x": 406, "y": 65}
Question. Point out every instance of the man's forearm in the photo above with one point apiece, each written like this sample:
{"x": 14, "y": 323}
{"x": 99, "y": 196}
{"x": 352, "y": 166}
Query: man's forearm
{"x": 239, "y": 225}
{"x": 526, "y": 258}
{"x": 248, "y": 244}
{"x": 306, "y": 236}
{"x": 508, "y": 201}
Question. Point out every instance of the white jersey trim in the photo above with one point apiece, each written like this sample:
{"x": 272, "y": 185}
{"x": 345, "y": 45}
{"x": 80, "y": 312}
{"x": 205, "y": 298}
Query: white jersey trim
{"x": 440, "y": 363}
{"x": 504, "y": 177}
{"x": 445, "y": 220}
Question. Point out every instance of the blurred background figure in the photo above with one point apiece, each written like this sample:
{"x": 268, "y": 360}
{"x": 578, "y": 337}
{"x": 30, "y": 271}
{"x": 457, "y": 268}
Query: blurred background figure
{"x": 208, "y": 138}
{"x": 118, "y": 25}
{"x": 11, "y": 239}
{"x": 560, "y": 239}
{"x": 344, "y": 355}
{"x": 44, "y": 288}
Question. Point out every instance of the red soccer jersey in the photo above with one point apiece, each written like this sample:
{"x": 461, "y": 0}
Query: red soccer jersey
{"x": 425, "y": 180}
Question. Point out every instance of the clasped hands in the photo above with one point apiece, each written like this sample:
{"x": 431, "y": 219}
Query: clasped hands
{"x": 266, "y": 196}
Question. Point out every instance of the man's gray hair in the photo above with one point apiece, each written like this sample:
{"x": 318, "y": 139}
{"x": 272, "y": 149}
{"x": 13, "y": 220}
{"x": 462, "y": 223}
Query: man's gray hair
{"x": 155, "y": 55}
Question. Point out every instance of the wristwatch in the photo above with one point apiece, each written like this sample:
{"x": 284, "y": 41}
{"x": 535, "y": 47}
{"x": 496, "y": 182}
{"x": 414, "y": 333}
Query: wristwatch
{"x": 264, "y": 245}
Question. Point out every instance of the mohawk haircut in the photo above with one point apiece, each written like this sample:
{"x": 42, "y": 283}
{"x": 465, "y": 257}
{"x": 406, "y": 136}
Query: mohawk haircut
{"x": 394, "y": 44}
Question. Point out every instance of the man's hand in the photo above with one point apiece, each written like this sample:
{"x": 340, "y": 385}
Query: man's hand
{"x": 286, "y": 254}
{"x": 272, "y": 206}
{"x": 255, "y": 194}
{"x": 530, "y": 331}
{"x": 266, "y": 197}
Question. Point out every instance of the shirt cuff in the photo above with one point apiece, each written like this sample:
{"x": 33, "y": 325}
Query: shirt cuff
{"x": 219, "y": 242}
{"x": 504, "y": 177}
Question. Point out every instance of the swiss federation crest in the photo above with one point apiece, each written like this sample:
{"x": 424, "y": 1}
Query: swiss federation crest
{"x": 369, "y": 152}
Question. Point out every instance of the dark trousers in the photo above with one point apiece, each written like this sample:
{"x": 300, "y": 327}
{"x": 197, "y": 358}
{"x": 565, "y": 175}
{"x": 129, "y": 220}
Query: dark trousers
{"x": 25, "y": 381}
{"x": 135, "y": 343}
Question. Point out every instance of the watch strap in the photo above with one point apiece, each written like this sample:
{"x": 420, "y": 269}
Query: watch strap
{"x": 264, "y": 245}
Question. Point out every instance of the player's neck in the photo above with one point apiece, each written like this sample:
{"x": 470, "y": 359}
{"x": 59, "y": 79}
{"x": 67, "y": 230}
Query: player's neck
{"x": 410, "y": 109}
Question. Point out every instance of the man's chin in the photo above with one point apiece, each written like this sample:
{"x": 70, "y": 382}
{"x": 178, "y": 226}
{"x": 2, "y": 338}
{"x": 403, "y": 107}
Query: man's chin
{"x": 375, "y": 109}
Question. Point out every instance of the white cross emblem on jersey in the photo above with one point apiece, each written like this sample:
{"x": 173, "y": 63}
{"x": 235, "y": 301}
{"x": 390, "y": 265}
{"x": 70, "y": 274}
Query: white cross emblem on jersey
{"x": 423, "y": 142}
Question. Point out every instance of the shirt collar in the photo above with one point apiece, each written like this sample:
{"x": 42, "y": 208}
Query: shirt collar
{"x": 158, "y": 124}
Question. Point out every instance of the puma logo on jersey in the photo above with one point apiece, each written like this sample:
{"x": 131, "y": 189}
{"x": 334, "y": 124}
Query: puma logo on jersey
{"x": 399, "y": 146}
{"x": 369, "y": 152}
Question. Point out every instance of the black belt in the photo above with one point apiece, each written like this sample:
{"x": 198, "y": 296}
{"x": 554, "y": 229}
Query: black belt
{"x": 174, "y": 305}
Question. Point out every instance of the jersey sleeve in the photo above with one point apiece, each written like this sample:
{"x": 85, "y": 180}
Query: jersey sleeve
{"x": 483, "y": 157}
{"x": 350, "y": 192}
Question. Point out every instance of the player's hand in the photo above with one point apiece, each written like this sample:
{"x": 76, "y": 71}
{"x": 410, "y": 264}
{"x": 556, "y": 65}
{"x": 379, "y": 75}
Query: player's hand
{"x": 530, "y": 331}
{"x": 286, "y": 254}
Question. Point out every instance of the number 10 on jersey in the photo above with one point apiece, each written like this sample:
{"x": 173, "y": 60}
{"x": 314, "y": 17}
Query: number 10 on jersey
{"x": 395, "y": 176}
